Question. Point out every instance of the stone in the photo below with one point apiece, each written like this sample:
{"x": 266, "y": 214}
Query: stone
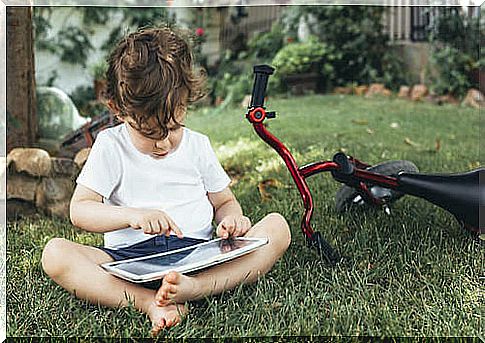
{"x": 448, "y": 99}
{"x": 53, "y": 190}
{"x": 3, "y": 175}
{"x": 58, "y": 208}
{"x": 343, "y": 90}
{"x": 246, "y": 101}
{"x": 33, "y": 161}
{"x": 377, "y": 89}
{"x": 17, "y": 208}
{"x": 474, "y": 98}
{"x": 386, "y": 92}
{"x": 21, "y": 186}
{"x": 419, "y": 92}
{"x": 403, "y": 92}
{"x": 64, "y": 166}
{"x": 81, "y": 157}
{"x": 360, "y": 90}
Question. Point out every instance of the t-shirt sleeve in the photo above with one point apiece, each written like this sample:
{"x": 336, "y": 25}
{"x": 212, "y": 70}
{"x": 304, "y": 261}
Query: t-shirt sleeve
{"x": 214, "y": 177}
{"x": 101, "y": 172}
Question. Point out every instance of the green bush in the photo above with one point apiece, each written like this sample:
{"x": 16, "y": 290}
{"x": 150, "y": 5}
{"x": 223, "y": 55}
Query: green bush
{"x": 265, "y": 45}
{"x": 454, "y": 69}
{"x": 356, "y": 32}
{"x": 455, "y": 39}
{"x": 310, "y": 56}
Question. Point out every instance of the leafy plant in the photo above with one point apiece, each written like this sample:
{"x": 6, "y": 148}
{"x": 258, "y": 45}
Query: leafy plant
{"x": 98, "y": 70}
{"x": 453, "y": 68}
{"x": 265, "y": 45}
{"x": 310, "y": 56}
{"x": 85, "y": 100}
{"x": 356, "y": 32}
{"x": 455, "y": 38}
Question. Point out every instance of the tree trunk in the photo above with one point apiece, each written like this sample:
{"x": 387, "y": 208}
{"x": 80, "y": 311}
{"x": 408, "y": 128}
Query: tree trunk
{"x": 21, "y": 100}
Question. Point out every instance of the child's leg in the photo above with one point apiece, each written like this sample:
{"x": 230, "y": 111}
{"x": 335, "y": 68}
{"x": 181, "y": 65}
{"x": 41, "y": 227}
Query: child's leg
{"x": 76, "y": 268}
{"x": 180, "y": 288}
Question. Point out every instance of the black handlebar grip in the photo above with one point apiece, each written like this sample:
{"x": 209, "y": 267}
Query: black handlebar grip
{"x": 261, "y": 75}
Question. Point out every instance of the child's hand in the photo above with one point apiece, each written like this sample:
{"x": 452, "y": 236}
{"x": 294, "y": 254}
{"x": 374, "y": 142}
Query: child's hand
{"x": 233, "y": 226}
{"x": 153, "y": 222}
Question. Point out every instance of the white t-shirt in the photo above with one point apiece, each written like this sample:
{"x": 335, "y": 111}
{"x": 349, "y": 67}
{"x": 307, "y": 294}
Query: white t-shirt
{"x": 176, "y": 184}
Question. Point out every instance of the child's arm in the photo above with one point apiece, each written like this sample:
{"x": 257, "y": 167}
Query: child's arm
{"x": 228, "y": 214}
{"x": 88, "y": 212}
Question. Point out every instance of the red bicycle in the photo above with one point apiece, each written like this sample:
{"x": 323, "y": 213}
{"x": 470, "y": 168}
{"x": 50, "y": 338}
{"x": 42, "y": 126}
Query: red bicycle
{"x": 378, "y": 185}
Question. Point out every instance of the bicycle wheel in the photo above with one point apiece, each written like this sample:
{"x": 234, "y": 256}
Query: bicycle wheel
{"x": 348, "y": 197}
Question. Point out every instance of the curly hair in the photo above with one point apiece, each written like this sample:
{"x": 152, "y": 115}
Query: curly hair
{"x": 151, "y": 79}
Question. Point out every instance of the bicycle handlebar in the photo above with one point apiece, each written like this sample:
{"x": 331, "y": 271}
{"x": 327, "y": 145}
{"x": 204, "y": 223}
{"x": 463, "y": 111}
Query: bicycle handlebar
{"x": 261, "y": 76}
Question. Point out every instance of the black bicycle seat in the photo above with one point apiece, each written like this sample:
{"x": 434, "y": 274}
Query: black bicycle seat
{"x": 460, "y": 194}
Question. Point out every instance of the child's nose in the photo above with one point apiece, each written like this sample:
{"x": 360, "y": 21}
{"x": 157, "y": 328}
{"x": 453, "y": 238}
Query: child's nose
{"x": 163, "y": 144}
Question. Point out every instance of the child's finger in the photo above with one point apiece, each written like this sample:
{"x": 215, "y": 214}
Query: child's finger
{"x": 222, "y": 232}
{"x": 175, "y": 228}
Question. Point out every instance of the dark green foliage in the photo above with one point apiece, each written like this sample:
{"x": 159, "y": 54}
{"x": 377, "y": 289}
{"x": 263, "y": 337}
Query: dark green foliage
{"x": 356, "y": 32}
{"x": 85, "y": 100}
{"x": 267, "y": 44}
{"x": 455, "y": 38}
{"x": 74, "y": 45}
{"x": 310, "y": 56}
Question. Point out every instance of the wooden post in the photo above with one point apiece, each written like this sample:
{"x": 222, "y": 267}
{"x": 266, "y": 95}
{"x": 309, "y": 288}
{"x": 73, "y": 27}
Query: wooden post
{"x": 21, "y": 100}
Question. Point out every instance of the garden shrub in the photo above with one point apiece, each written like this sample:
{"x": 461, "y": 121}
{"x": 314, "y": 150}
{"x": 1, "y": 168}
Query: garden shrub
{"x": 265, "y": 45}
{"x": 356, "y": 32}
{"x": 455, "y": 39}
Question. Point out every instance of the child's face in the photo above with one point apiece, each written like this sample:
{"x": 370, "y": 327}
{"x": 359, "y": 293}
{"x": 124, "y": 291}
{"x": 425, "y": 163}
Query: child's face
{"x": 156, "y": 148}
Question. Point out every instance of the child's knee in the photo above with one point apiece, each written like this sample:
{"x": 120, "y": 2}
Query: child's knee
{"x": 278, "y": 230}
{"x": 53, "y": 255}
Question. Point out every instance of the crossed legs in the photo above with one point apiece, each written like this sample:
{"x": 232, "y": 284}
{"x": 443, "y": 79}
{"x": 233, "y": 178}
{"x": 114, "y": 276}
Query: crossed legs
{"x": 76, "y": 268}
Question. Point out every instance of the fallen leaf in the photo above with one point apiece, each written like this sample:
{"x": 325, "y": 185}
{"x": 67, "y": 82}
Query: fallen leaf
{"x": 408, "y": 141}
{"x": 394, "y": 125}
{"x": 474, "y": 165}
{"x": 369, "y": 131}
{"x": 264, "y": 185}
{"x": 360, "y": 121}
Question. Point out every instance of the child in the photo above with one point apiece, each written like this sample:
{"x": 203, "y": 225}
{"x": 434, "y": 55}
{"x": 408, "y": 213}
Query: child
{"x": 152, "y": 185}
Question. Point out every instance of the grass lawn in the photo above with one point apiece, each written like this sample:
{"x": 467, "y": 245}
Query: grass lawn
{"x": 414, "y": 273}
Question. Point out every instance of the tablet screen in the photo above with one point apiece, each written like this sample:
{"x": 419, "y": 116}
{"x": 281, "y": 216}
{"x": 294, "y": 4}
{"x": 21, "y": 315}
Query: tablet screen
{"x": 183, "y": 260}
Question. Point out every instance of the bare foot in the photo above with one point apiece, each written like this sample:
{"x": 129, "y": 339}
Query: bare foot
{"x": 165, "y": 316}
{"x": 177, "y": 288}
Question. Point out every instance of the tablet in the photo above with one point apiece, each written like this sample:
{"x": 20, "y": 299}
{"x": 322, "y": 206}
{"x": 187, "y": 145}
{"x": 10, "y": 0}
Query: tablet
{"x": 185, "y": 260}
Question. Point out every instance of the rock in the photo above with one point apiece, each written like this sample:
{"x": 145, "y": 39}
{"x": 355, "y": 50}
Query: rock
{"x": 343, "y": 90}
{"x": 403, "y": 92}
{"x": 20, "y": 186}
{"x": 474, "y": 98}
{"x": 58, "y": 208}
{"x": 3, "y": 175}
{"x": 386, "y": 92}
{"x": 53, "y": 190}
{"x": 33, "y": 161}
{"x": 448, "y": 99}
{"x": 419, "y": 92}
{"x": 360, "y": 90}
{"x": 246, "y": 101}
{"x": 64, "y": 166}
{"x": 81, "y": 157}
{"x": 19, "y": 208}
{"x": 377, "y": 89}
